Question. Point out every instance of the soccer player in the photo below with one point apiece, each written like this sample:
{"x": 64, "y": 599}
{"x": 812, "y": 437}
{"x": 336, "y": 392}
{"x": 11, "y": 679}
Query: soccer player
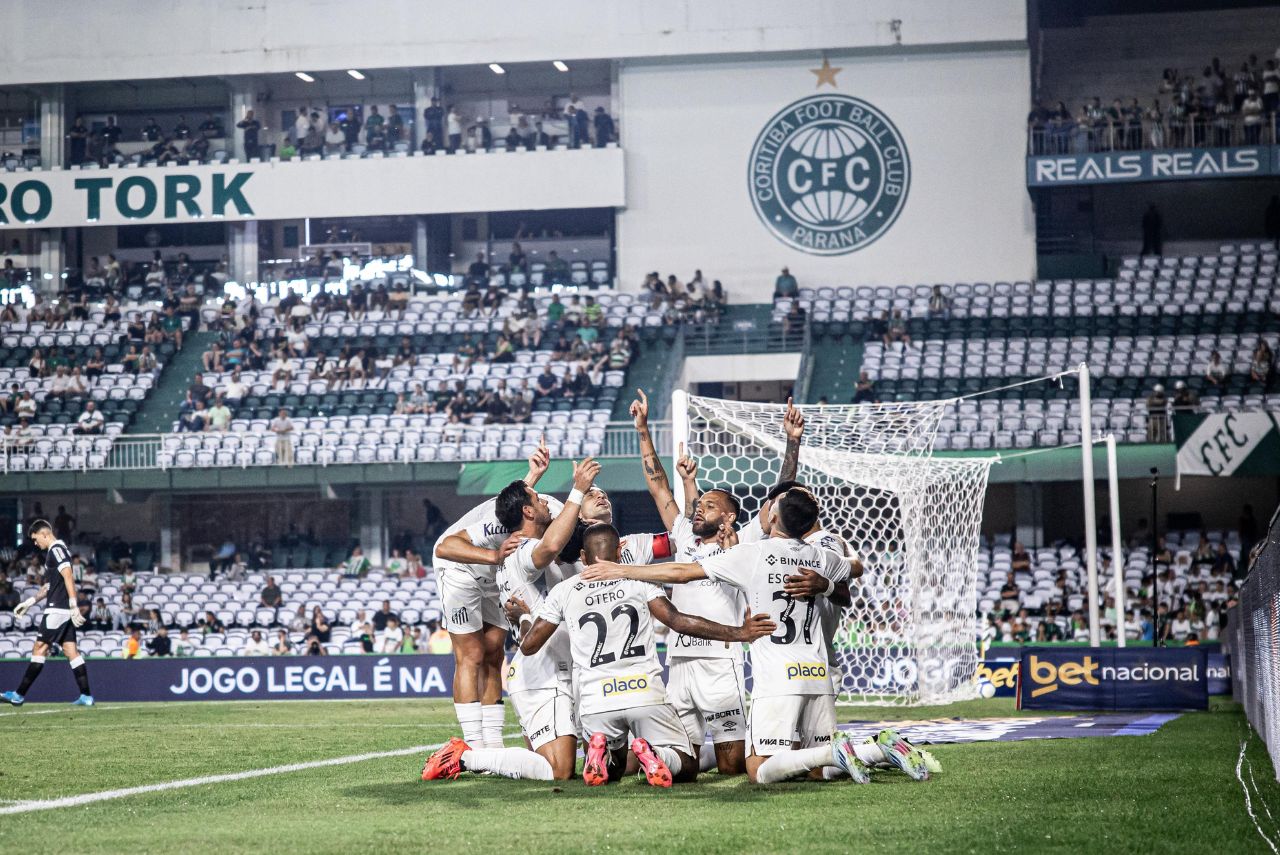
{"x": 619, "y": 679}
{"x": 706, "y": 685}
{"x": 540, "y": 685}
{"x": 791, "y": 726}
{"x": 466, "y": 558}
{"x": 60, "y": 620}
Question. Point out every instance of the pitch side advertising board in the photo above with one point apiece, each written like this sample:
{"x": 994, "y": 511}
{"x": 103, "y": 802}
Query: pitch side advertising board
{"x": 1098, "y": 678}
{"x": 244, "y": 678}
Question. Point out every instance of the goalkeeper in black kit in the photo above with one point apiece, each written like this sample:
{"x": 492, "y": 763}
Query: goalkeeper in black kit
{"x": 60, "y": 620}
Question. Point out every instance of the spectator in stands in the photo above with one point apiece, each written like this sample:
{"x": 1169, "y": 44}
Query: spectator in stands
{"x": 313, "y": 141}
{"x": 1252, "y": 110}
{"x": 256, "y": 646}
{"x": 864, "y": 391}
{"x": 785, "y": 285}
{"x": 78, "y": 140}
{"x": 250, "y": 126}
{"x": 1223, "y": 563}
{"x": 939, "y": 304}
{"x": 284, "y": 647}
{"x": 211, "y": 623}
{"x": 335, "y": 140}
{"x": 185, "y": 645}
{"x": 1184, "y": 400}
{"x": 1152, "y": 231}
{"x": 579, "y": 385}
{"x": 1261, "y": 363}
{"x": 1020, "y": 558}
{"x": 287, "y": 149}
{"x": 357, "y": 565}
{"x": 383, "y": 615}
{"x": 1216, "y": 372}
{"x": 160, "y": 644}
{"x": 433, "y": 120}
{"x": 282, "y": 427}
{"x": 271, "y": 597}
{"x": 1157, "y": 415}
{"x": 897, "y": 330}
{"x": 391, "y": 636}
{"x": 453, "y": 128}
{"x": 1009, "y": 595}
{"x": 547, "y": 384}
{"x": 219, "y": 415}
{"x": 62, "y": 385}
{"x": 604, "y": 127}
{"x": 320, "y": 628}
{"x": 557, "y": 272}
{"x": 90, "y": 421}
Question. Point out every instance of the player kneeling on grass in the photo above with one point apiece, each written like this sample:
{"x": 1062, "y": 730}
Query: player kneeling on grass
{"x": 60, "y": 619}
{"x": 791, "y": 725}
{"x": 620, "y": 687}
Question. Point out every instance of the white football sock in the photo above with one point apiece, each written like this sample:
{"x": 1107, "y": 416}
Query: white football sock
{"x": 832, "y": 773}
{"x": 469, "y": 719}
{"x": 707, "y": 757}
{"x": 670, "y": 757}
{"x": 508, "y": 762}
{"x": 870, "y": 753}
{"x": 492, "y": 719}
{"x": 788, "y": 764}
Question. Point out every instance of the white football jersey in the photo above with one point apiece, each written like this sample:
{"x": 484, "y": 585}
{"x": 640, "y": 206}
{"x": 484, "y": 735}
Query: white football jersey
{"x": 705, "y": 598}
{"x": 752, "y": 532}
{"x": 645, "y": 548}
{"x": 519, "y": 577}
{"x": 828, "y": 612}
{"x": 792, "y": 661}
{"x": 615, "y": 657}
{"x": 482, "y": 527}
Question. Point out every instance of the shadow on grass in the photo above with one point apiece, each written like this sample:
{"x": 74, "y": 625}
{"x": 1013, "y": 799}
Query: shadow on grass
{"x": 487, "y": 792}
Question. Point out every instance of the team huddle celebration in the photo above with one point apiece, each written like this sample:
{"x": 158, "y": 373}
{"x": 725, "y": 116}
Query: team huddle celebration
{"x": 583, "y": 601}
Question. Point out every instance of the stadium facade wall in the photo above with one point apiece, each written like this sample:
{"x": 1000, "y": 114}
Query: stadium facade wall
{"x": 691, "y": 127}
{"x": 67, "y": 41}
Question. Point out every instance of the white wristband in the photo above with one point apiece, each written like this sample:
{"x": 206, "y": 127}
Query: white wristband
{"x": 831, "y": 586}
{"x": 575, "y": 497}
{"x": 526, "y": 618}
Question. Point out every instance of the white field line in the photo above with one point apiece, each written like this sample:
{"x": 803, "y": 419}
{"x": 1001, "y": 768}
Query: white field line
{"x": 229, "y": 777}
{"x": 1248, "y": 801}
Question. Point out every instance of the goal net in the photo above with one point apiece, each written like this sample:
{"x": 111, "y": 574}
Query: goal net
{"x": 911, "y": 635}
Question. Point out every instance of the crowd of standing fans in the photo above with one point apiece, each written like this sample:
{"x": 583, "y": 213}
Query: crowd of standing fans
{"x": 1217, "y": 106}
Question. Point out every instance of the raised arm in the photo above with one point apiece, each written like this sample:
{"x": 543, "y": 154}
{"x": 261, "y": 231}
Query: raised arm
{"x": 538, "y": 463}
{"x": 672, "y": 573}
{"x": 687, "y": 469}
{"x": 561, "y": 528}
{"x": 753, "y": 626}
{"x": 793, "y": 424}
{"x": 458, "y": 547}
{"x": 655, "y": 477}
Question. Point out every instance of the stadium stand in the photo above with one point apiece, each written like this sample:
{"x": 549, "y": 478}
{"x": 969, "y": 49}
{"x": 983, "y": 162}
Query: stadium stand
{"x": 1158, "y": 321}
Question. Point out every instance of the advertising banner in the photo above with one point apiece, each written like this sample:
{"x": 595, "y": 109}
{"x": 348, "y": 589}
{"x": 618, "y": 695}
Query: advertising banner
{"x": 1099, "y": 678}
{"x": 313, "y": 678}
{"x": 1120, "y": 167}
{"x": 293, "y": 189}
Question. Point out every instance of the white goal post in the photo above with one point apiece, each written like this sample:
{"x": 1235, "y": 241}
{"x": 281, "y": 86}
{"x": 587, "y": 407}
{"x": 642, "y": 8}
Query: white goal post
{"x": 911, "y": 635}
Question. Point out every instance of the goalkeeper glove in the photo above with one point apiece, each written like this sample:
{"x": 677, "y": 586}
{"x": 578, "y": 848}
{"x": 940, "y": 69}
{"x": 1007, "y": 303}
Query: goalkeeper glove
{"x": 23, "y": 607}
{"x": 77, "y": 619}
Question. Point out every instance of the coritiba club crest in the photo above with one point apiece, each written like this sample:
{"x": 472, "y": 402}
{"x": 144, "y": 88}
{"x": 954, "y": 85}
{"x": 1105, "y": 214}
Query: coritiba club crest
{"x": 829, "y": 174}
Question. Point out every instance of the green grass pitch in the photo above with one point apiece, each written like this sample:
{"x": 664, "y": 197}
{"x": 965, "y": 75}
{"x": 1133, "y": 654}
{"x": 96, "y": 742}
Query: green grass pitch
{"x": 1174, "y": 791}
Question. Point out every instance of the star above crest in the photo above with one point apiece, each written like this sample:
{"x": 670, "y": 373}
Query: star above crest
{"x": 826, "y": 74}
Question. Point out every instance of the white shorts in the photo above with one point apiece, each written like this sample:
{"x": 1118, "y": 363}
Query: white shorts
{"x": 708, "y": 694}
{"x": 657, "y": 724}
{"x": 790, "y": 721}
{"x": 545, "y": 715}
{"x": 467, "y": 603}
